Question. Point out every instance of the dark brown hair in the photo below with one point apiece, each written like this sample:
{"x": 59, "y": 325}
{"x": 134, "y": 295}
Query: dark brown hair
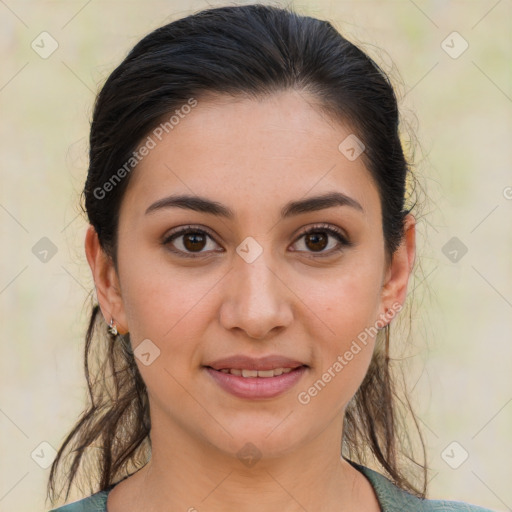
{"x": 253, "y": 51}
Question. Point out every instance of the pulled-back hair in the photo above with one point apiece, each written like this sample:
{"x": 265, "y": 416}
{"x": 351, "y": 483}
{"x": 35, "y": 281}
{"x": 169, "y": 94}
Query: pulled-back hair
{"x": 244, "y": 51}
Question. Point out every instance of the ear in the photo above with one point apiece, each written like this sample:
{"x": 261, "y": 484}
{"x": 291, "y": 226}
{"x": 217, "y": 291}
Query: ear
{"x": 394, "y": 287}
{"x": 106, "y": 281}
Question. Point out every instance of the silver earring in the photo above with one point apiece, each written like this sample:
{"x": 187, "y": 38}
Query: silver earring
{"x": 112, "y": 329}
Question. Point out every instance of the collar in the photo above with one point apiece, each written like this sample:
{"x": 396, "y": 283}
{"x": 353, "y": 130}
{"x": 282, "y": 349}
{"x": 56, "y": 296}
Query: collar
{"x": 391, "y": 497}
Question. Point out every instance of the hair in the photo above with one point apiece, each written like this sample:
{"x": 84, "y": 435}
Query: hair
{"x": 250, "y": 51}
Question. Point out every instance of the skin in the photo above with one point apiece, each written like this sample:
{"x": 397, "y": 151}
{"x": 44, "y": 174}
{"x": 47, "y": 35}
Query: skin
{"x": 254, "y": 157}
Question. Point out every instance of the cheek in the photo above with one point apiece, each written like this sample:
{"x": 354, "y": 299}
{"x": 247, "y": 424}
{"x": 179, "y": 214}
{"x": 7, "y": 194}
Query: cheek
{"x": 346, "y": 300}
{"x": 159, "y": 298}
{"x": 342, "y": 356}
{"x": 346, "y": 305}
{"x": 167, "y": 307}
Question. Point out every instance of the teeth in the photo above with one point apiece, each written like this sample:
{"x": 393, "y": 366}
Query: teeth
{"x": 256, "y": 373}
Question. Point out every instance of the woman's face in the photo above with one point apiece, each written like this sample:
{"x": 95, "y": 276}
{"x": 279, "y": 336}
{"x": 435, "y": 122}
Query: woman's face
{"x": 252, "y": 284}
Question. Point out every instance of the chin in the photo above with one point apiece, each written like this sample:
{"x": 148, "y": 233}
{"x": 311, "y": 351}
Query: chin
{"x": 256, "y": 440}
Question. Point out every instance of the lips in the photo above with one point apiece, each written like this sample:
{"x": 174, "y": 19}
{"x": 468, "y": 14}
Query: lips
{"x": 256, "y": 378}
{"x": 256, "y": 388}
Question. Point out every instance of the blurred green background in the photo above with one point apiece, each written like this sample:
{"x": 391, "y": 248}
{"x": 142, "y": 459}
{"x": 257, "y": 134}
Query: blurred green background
{"x": 455, "y": 92}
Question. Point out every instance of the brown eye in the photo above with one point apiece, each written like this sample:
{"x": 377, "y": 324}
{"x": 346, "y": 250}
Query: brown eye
{"x": 316, "y": 240}
{"x": 188, "y": 242}
{"x": 194, "y": 241}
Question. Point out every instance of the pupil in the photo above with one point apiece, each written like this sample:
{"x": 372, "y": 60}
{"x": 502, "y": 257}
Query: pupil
{"x": 316, "y": 237}
{"x": 197, "y": 239}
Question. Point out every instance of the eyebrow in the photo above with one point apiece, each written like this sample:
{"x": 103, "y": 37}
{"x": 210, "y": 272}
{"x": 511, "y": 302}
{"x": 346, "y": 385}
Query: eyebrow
{"x": 204, "y": 205}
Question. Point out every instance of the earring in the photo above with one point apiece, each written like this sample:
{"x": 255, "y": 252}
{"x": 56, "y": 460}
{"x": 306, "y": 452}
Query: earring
{"x": 112, "y": 328}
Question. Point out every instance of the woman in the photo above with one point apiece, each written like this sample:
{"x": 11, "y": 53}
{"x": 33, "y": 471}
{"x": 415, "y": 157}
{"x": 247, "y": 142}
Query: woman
{"x": 249, "y": 372}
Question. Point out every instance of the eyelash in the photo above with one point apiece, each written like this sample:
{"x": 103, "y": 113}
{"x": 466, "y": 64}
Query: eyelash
{"x": 331, "y": 230}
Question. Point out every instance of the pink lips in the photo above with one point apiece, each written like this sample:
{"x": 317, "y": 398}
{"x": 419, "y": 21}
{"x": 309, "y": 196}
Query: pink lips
{"x": 256, "y": 387}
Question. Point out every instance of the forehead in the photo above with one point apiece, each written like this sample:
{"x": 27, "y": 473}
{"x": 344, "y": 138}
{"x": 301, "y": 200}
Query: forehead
{"x": 249, "y": 153}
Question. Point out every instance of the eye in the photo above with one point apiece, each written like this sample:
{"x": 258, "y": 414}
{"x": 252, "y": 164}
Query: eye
{"x": 317, "y": 239}
{"x": 193, "y": 241}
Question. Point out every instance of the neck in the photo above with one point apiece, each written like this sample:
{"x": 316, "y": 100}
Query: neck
{"x": 186, "y": 474}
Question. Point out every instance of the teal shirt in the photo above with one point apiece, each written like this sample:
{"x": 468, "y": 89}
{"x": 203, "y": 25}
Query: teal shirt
{"x": 391, "y": 498}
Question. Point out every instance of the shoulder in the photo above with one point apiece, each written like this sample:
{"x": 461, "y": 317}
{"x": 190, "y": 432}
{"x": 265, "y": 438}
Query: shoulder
{"x": 95, "y": 503}
{"x": 394, "y": 499}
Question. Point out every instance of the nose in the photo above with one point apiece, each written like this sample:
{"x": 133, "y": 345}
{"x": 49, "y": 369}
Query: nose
{"x": 257, "y": 299}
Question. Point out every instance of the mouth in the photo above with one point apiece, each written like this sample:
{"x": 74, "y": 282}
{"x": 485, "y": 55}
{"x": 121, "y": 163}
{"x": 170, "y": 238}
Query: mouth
{"x": 256, "y": 378}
